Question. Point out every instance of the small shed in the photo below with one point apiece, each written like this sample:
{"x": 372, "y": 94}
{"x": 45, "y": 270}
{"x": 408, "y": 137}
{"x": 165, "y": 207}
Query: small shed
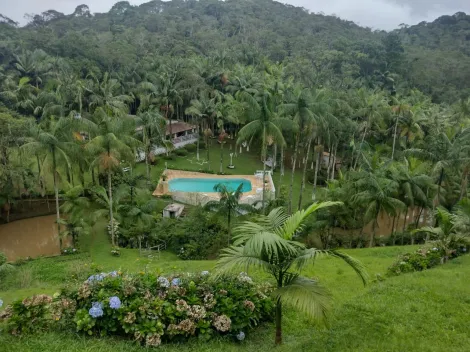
{"x": 173, "y": 211}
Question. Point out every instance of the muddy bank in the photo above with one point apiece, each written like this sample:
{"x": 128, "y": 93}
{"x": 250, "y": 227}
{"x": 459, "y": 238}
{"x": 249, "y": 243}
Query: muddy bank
{"x": 30, "y": 238}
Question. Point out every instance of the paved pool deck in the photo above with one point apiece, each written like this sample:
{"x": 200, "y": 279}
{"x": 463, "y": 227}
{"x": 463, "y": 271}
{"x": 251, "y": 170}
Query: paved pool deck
{"x": 256, "y": 182}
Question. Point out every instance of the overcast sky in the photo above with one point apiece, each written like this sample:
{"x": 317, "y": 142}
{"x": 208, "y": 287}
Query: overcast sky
{"x": 378, "y": 14}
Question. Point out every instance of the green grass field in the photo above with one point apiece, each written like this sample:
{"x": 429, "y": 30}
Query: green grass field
{"x": 425, "y": 311}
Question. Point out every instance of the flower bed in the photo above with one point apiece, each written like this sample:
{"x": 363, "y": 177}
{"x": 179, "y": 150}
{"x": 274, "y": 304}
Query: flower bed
{"x": 422, "y": 259}
{"x": 148, "y": 308}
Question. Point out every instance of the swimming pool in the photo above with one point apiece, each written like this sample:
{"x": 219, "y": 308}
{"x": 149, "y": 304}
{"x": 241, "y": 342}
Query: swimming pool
{"x": 207, "y": 184}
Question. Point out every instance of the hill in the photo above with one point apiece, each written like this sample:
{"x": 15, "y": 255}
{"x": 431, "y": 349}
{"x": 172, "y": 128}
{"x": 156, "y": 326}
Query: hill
{"x": 316, "y": 49}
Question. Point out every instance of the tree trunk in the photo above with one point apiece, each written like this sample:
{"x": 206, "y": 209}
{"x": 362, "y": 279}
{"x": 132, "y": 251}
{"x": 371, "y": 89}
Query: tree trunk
{"x": 395, "y": 137}
{"x": 360, "y": 147}
{"x": 281, "y": 172}
{"x": 221, "y": 157}
{"x": 264, "y": 178}
{"x": 111, "y": 216}
{"x": 278, "y": 339}
{"x": 147, "y": 165}
{"x": 41, "y": 184}
{"x": 229, "y": 220}
{"x": 403, "y": 229}
{"x": 197, "y": 143}
{"x": 393, "y": 230}
{"x": 464, "y": 183}
{"x": 274, "y": 164}
{"x": 372, "y": 235}
{"x": 294, "y": 161}
{"x": 56, "y": 191}
{"x": 302, "y": 186}
{"x": 317, "y": 167}
{"x": 334, "y": 162}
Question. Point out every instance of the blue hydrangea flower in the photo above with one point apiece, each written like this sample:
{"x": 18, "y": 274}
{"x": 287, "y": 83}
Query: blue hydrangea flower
{"x": 163, "y": 281}
{"x": 114, "y": 302}
{"x": 96, "y": 278}
{"x": 205, "y": 273}
{"x": 175, "y": 282}
{"x": 1, "y": 303}
{"x": 113, "y": 274}
{"x": 241, "y": 336}
{"x": 96, "y": 310}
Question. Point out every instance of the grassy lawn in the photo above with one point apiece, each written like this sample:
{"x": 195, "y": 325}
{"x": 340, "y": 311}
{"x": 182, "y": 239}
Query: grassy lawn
{"x": 425, "y": 311}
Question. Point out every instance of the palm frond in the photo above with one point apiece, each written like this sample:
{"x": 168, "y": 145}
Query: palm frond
{"x": 306, "y": 295}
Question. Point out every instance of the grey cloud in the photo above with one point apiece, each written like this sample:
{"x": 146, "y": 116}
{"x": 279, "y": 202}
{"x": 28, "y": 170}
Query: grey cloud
{"x": 378, "y": 14}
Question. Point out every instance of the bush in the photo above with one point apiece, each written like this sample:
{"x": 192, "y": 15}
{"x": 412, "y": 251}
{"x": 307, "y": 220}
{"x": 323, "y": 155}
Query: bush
{"x": 181, "y": 152}
{"x": 116, "y": 252}
{"x": 198, "y": 235}
{"x": 191, "y": 147}
{"x": 147, "y": 308}
{"x": 70, "y": 251}
{"x": 169, "y": 157}
{"x": 420, "y": 260}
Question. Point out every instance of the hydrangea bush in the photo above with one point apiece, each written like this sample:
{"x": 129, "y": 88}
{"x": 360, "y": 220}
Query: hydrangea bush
{"x": 422, "y": 259}
{"x": 148, "y": 308}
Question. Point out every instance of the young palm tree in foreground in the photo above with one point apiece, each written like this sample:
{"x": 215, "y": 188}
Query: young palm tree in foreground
{"x": 228, "y": 205}
{"x": 267, "y": 244}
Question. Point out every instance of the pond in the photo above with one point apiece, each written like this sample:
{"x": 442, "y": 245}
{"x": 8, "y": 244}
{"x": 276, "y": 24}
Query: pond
{"x": 32, "y": 237}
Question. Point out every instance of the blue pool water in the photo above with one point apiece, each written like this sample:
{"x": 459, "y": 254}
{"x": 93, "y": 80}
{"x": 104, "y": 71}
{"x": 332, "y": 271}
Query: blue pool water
{"x": 206, "y": 184}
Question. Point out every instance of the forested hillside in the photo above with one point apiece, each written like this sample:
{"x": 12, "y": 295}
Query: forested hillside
{"x": 315, "y": 49}
{"x": 390, "y": 110}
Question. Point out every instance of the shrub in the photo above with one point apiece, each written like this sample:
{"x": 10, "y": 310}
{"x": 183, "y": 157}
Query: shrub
{"x": 149, "y": 309}
{"x": 181, "y": 152}
{"x": 198, "y": 235}
{"x": 169, "y": 157}
{"x": 70, "y": 251}
{"x": 191, "y": 147}
{"x": 420, "y": 260}
{"x": 116, "y": 252}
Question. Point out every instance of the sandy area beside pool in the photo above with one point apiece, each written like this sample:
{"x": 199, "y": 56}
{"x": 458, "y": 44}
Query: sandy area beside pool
{"x": 256, "y": 182}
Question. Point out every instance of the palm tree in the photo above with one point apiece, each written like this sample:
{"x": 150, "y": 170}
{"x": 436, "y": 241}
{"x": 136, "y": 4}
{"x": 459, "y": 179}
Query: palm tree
{"x": 75, "y": 206}
{"x": 401, "y": 111}
{"x": 414, "y": 184}
{"x": 229, "y": 204}
{"x": 266, "y": 125}
{"x": 300, "y": 111}
{"x": 153, "y": 128}
{"x": 203, "y": 109}
{"x": 447, "y": 235}
{"x": 106, "y": 95}
{"x": 56, "y": 148}
{"x": 139, "y": 216}
{"x": 267, "y": 244}
{"x": 377, "y": 193}
{"x": 371, "y": 108}
{"x": 112, "y": 144}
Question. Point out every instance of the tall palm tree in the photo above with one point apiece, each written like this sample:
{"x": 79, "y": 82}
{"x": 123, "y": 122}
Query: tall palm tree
{"x": 114, "y": 142}
{"x": 75, "y": 206}
{"x": 265, "y": 125}
{"x": 299, "y": 109}
{"x": 414, "y": 184}
{"x": 204, "y": 109}
{"x": 152, "y": 126}
{"x": 107, "y": 96}
{"x": 377, "y": 193}
{"x": 267, "y": 244}
{"x": 55, "y": 147}
{"x": 402, "y": 110}
{"x": 229, "y": 204}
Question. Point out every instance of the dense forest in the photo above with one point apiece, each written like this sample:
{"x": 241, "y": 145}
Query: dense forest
{"x": 393, "y": 106}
